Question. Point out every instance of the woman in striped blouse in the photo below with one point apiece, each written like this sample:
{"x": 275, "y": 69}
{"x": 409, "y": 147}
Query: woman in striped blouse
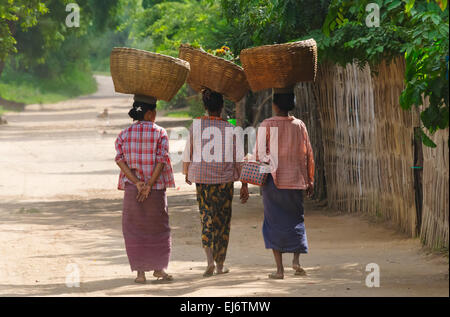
{"x": 214, "y": 178}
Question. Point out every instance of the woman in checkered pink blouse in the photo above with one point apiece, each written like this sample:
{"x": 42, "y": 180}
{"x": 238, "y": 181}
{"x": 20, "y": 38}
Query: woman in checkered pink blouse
{"x": 146, "y": 171}
{"x": 214, "y": 178}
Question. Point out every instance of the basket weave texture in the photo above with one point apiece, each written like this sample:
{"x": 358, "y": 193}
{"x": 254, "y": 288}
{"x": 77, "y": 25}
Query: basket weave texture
{"x": 215, "y": 73}
{"x": 144, "y": 73}
{"x": 253, "y": 173}
{"x": 280, "y": 65}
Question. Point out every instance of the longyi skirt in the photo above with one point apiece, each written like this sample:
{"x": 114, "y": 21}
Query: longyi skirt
{"x": 284, "y": 226}
{"x": 146, "y": 230}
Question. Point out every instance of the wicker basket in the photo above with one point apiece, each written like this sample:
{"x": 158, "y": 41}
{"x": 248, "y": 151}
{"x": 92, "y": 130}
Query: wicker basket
{"x": 280, "y": 65}
{"x": 144, "y": 73}
{"x": 215, "y": 73}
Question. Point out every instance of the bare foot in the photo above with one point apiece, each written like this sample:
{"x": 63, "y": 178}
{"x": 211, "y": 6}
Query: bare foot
{"x": 276, "y": 276}
{"x": 222, "y": 270}
{"x": 163, "y": 275}
{"x": 209, "y": 271}
{"x": 299, "y": 270}
{"x": 140, "y": 279}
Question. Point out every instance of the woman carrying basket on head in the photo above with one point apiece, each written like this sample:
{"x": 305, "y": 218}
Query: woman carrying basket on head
{"x": 292, "y": 173}
{"x": 214, "y": 180}
{"x": 146, "y": 172}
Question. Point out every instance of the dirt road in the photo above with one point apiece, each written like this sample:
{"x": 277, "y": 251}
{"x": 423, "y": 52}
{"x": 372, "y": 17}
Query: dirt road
{"x": 59, "y": 206}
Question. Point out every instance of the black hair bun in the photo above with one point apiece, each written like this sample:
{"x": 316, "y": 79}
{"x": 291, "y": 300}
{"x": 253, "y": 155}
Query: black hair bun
{"x": 133, "y": 114}
{"x": 212, "y": 100}
{"x": 285, "y": 102}
{"x": 139, "y": 110}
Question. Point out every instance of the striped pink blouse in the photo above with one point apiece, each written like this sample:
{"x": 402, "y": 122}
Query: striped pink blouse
{"x": 211, "y": 172}
{"x": 295, "y": 163}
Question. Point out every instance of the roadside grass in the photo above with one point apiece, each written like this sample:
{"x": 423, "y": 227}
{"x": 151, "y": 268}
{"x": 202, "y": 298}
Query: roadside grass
{"x": 102, "y": 73}
{"x": 28, "y": 93}
{"x": 178, "y": 114}
{"x": 27, "y": 89}
{"x": 2, "y": 110}
{"x": 28, "y": 211}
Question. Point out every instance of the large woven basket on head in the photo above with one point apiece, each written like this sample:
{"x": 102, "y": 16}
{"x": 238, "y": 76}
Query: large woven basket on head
{"x": 144, "y": 73}
{"x": 215, "y": 73}
{"x": 280, "y": 65}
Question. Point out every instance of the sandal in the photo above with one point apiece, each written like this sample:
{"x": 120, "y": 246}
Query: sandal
{"x": 165, "y": 277}
{"x": 140, "y": 280}
{"x": 299, "y": 270}
{"x": 276, "y": 276}
{"x": 209, "y": 271}
{"x": 225, "y": 270}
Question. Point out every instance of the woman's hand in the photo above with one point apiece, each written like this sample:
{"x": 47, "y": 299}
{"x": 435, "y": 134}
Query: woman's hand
{"x": 310, "y": 190}
{"x": 144, "y": 192}
{"x": 244, "y": 193}
{"x": 140, "y": 186}
{"x": 187, "y": 180}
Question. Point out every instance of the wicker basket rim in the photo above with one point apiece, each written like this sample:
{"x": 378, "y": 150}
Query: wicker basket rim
{"x": 217, "y": 59}
{"x": 175, "y": 60}
{"x": 278, "y": 46}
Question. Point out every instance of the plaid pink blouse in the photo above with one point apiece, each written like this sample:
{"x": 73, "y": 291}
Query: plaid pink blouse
{"x": 142, "y": 146}
{"x": 295, "y": 169}
{"x": 213, "y": 172}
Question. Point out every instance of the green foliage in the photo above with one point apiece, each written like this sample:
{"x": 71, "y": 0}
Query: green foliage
{"x": 179, "y": 101}
{"x": 49, "y": 48}
{"x": 427, "y": 70}
{"x": 99, "y": 50}
{"x": 149, "y": 3}
{"x": 14, "y": 13}
{"x": 178, "y": 114}
{"x": 352, "y": 40}
{"x": 50, "y": 55}
{"x": 196, "y": 107}
{"x": 223, "y": 52}
{"x": 31, "y": 89}
{"x": 416, "y": 29}
{"x": 164, "y": 26}
{"x": 259, "y": 22}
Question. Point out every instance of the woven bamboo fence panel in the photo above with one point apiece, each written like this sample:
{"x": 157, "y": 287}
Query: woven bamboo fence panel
{"x": 395, "y": 140}
{"x": 367, "y": 141}
{"x": 434, "y": 230}
{"x": 307, "y": 110}
{"x": 364, "y": 145}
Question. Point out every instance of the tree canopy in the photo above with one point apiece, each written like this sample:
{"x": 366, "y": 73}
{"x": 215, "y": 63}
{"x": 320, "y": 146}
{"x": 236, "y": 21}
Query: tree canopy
{"x": 417, "y": 30}
{"x": 13, "y": 14}
{"x": 35, "y": 32}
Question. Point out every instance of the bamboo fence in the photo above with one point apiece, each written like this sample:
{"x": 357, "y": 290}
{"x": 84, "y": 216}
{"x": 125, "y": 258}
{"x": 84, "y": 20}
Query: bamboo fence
{"x": 307, "y": 110}
{"x": 367, "y": 140}
{"x": 364, "y": 148}
{"x": 395, "y": 146}
{"x": 434, "y": 229}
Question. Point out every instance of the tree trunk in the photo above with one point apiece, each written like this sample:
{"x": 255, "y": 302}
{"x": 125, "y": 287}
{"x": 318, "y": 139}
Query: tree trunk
{"x": 240, "y": 113}
{"x": 262, "y": 110}
{"x": 2, "y": 65}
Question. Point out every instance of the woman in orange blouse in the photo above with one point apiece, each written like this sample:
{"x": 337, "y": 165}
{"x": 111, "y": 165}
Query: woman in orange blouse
{"x": 292, "y": 174}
